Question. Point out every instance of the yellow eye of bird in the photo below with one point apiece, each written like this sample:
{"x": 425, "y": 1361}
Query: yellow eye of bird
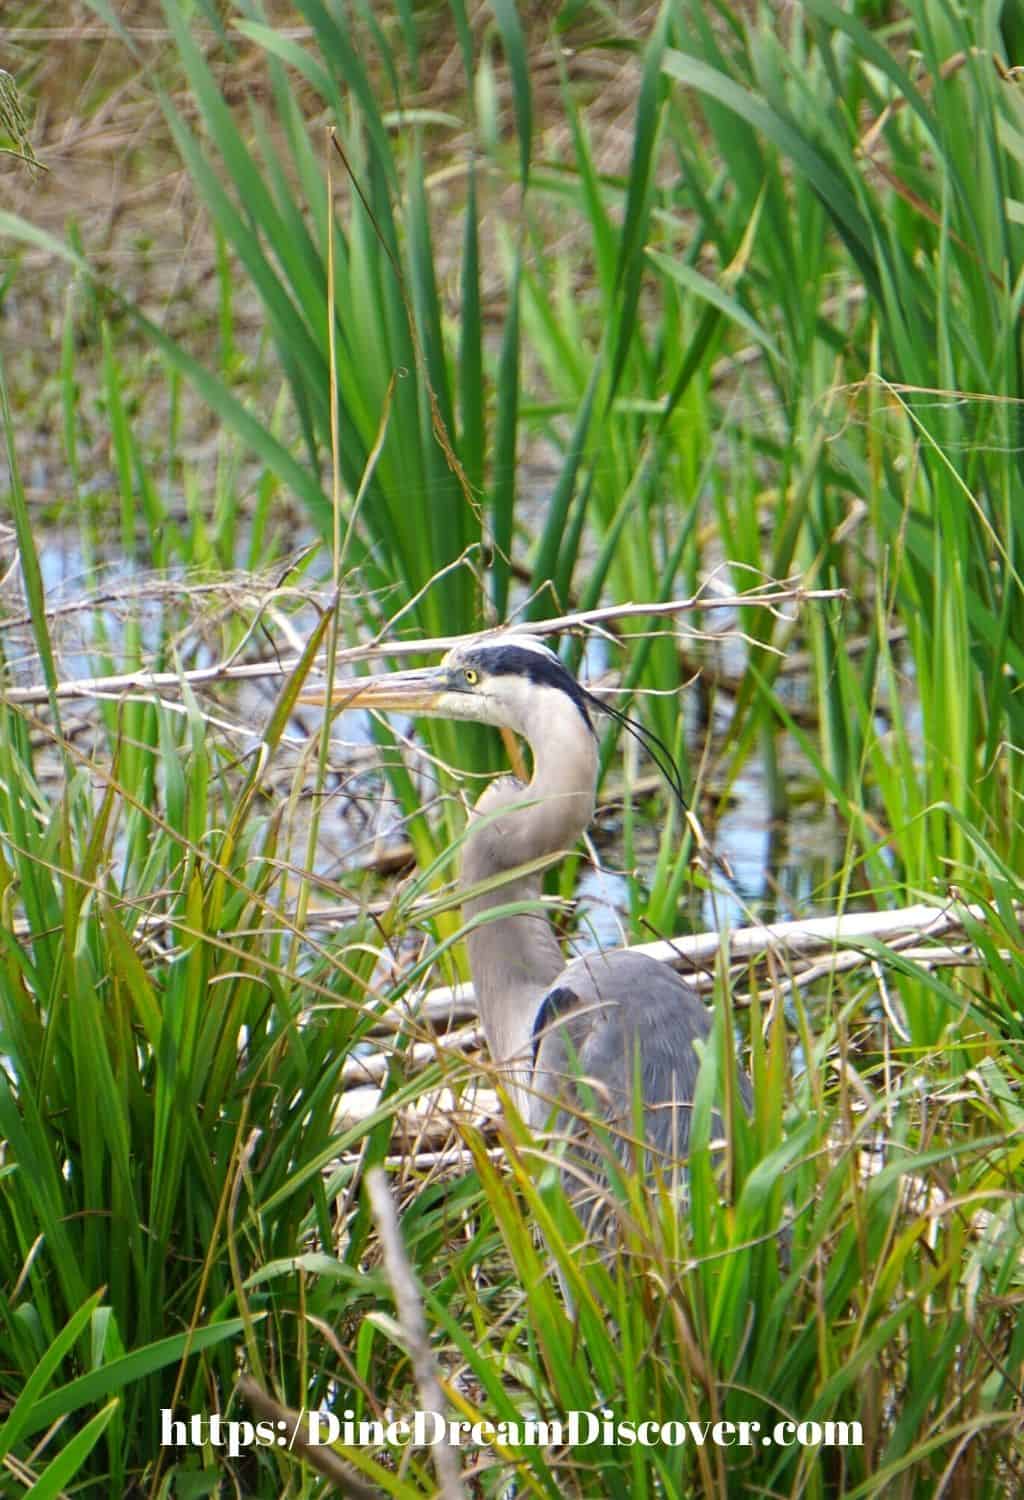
{"x": 471, "y": 675}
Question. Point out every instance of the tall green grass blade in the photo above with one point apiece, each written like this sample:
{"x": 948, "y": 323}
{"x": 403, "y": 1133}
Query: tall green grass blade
{"x": 61, "y": 1470}
{"x": 506, "y": 14}
{"x": 133, "y": 1367}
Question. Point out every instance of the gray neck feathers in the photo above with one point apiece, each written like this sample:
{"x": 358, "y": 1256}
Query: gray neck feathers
{"x": 515, "y": 959}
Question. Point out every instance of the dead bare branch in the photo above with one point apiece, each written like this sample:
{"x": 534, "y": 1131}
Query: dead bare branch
{"x": 413, "y": 1323}
{"x": 127, "y": 683}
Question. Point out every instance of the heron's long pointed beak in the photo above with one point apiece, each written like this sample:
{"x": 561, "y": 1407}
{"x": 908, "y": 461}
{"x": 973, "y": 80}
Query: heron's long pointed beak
{"x": 414, "y": 692}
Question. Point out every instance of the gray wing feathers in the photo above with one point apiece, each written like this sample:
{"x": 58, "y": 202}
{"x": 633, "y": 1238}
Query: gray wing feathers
{"x": 612, "y": 1020}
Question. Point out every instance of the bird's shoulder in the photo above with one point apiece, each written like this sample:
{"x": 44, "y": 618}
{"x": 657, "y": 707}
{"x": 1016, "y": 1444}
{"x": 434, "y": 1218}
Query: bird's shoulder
{"x": 603, "y": 1004}
{"x": 633, "y": 983}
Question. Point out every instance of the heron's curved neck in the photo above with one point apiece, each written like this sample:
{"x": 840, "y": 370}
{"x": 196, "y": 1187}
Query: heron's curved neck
{"x": 515, "y": 959}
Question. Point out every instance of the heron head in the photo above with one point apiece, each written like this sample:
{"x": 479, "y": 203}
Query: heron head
{"x": 507, "y": 679}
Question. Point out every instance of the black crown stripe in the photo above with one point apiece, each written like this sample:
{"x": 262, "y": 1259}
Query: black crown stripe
{"x": 535, "y": 666}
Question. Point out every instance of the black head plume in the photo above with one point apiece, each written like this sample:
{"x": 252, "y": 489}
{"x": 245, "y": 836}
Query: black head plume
{"x": 654, "y": 745}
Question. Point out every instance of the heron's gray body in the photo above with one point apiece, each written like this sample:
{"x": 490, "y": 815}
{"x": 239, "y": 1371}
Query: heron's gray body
{"x": 581, "y": 1038}
{"x": 618, "y": 1018}
{"x": 615, "y": 1050}
{"x": 572, "y": 1041}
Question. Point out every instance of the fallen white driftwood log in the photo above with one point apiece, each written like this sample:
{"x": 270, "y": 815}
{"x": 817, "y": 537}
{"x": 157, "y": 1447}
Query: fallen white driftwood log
{"x": 822, "y": 944}
{"x": 447, "y": 1005}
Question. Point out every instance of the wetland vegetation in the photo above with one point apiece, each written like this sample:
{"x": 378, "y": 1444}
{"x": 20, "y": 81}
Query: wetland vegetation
{"x": 631, "y": 304}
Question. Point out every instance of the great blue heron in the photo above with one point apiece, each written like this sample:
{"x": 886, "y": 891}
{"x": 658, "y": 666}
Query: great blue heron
{"x": 580, "y": 1034}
